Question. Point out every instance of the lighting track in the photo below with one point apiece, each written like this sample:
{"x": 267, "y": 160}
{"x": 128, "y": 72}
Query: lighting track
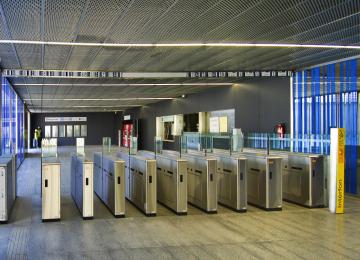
{"x": 125, "y": 85}
{"x": 96, "y": 99}
{"x": 185, "y": 44}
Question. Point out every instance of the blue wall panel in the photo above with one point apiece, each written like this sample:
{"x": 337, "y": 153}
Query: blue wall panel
{"x": 326, "y": 108}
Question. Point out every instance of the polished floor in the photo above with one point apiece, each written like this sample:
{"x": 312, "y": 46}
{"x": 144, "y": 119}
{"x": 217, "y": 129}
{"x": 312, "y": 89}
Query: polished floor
{"x": 294, "y": 233}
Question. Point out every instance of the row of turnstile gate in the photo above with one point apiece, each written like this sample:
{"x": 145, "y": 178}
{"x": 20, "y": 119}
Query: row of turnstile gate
{"x": 204, "y": 181}
{"x": 252, "y": 176}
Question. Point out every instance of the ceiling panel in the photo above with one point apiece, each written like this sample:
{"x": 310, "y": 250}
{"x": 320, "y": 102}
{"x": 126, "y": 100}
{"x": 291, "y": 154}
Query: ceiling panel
{"x": 169, "y": 21}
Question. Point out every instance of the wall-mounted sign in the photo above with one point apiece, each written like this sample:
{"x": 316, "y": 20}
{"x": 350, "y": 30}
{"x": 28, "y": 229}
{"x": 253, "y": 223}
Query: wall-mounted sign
{"x": 60, "y": 74}
{"x": 168, "y": 118}
{"x": 214, "y": 125}
{"x": 337, "y": 168}
{"x": 223, "y": 124}
{"x": 10, "y": 73}
{"x": 127, "y": 117}
{"x": 65, "y": 119}
{"x": 238, "y": 74}
{"x": 117, "y": 74}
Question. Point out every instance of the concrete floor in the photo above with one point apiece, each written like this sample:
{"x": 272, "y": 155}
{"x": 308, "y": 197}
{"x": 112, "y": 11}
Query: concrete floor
{"x": 295, "y": 232}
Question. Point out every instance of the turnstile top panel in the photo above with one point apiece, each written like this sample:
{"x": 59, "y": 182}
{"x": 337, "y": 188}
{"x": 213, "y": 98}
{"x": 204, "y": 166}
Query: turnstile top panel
{"x": 85, "y": 158}
{"x": 265, "y": 156}
{"x": 5, "y": 160}
{"x": 237, "y": 157}
{"x": 144, "y": 158}
{"x": 50, "y": 160}
{"x": 147, "y": 154}
{"x": 280, "y": 153}
{"x": 112, "y": 157}
{"x": 171, "y": 158}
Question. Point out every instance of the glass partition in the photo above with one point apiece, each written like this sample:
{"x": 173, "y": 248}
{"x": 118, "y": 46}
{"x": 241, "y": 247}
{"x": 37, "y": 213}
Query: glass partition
{"x": 12, "y": 123}
{"x": 236, "y": 142}
{"x": 83, "y": 130}
{"x": 77, "y": 131}
{"x": 47, "y": 131}
{"x": 158, "y": 143}
{"x": 133, "y": 145}
{"x": 61, "y": 130}
{"x": 80, "y": 146}
{"x": 317, "y": 144}
{"x": 54, "y": 131}
{"x": 106, "y": 145}
{"x": 49, "y": 147}
{"x": 69, "y": 131}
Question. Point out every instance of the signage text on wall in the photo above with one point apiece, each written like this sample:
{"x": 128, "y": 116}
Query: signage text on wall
{"x": 65, "y": 119}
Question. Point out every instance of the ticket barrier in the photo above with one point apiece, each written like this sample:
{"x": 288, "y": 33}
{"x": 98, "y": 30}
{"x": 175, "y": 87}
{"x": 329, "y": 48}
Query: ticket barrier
{"x": 140, "y": 179}
{"x": 7, "y": 187}
{"x": 109, "y": 182}
{"x": 201, "y": 180}
{"x": 171, "y": 181}
{"x": 82, "y": 185}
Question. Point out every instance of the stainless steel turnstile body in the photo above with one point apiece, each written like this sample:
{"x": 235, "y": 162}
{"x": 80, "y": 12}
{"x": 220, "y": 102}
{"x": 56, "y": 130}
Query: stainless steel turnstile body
{"x": 303, "y": 177}
{"x": 232, "y": 182}
{"x": 264, "y": 181}
{"x": 303, "y": 180}
{"x": 140, "y": 182}
{"x": 7, "y": 188}
{"x": 109, "y": 182}
{"x": 82, "y": 185}
{"x": 50, "y": 185}
{"x": 171, "y": 181}
{"x": 201, "y": 181}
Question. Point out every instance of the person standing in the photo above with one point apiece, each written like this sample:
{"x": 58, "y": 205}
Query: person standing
{"x": 37, "y": 137}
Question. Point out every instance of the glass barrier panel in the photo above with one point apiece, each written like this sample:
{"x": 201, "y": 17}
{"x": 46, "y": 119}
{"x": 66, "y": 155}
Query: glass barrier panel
{"x": 80, "y": 146}
{"x": 106, "y": 145}
{"x": 49, "y": 147}
{"x": 158, "y": 145}
{"x": 133, "y": 145}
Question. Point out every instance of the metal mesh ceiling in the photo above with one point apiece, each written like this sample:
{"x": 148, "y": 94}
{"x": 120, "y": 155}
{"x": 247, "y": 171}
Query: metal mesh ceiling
{"x": 171, "y": 21}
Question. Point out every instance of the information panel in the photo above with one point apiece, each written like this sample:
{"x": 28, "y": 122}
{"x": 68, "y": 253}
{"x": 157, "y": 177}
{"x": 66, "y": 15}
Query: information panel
{"x": 337, "y": 169}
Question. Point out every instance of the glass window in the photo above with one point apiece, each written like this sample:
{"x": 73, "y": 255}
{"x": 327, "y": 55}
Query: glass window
{"x": 69, "y": 130}
{"x": 5, "y": 114}
{"x": 47, "y": 131}
{"x": 54, "y": 131}
{"x": 83, "y": 130}
{"x": 76, "y": 130}
{"x": 61, "y": 130}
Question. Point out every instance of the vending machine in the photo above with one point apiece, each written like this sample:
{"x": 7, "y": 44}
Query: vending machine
{"x": 127, "y": 130}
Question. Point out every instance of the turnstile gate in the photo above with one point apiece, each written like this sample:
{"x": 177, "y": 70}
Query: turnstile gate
{"x": 7, "y": 188}
{"x": 82, "y": 185}
{"x": 140, "y": 182}
{"x": 109, "y": 182}
{"x": 50, "y": 185}
{"x": 171, "y": 181}
{"x": 201, "y": 181}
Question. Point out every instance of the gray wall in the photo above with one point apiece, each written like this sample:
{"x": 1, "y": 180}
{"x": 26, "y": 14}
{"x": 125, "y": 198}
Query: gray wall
{"x": 259, "y": 104}
{"x": 98, "y": 125}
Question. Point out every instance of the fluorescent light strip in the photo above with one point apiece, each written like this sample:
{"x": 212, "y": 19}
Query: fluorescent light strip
{"x": 94, "y": 99}
{"x": 64, "y": 107}
{"x": 125, "y": 85}
{"x": 194, "y": 44}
